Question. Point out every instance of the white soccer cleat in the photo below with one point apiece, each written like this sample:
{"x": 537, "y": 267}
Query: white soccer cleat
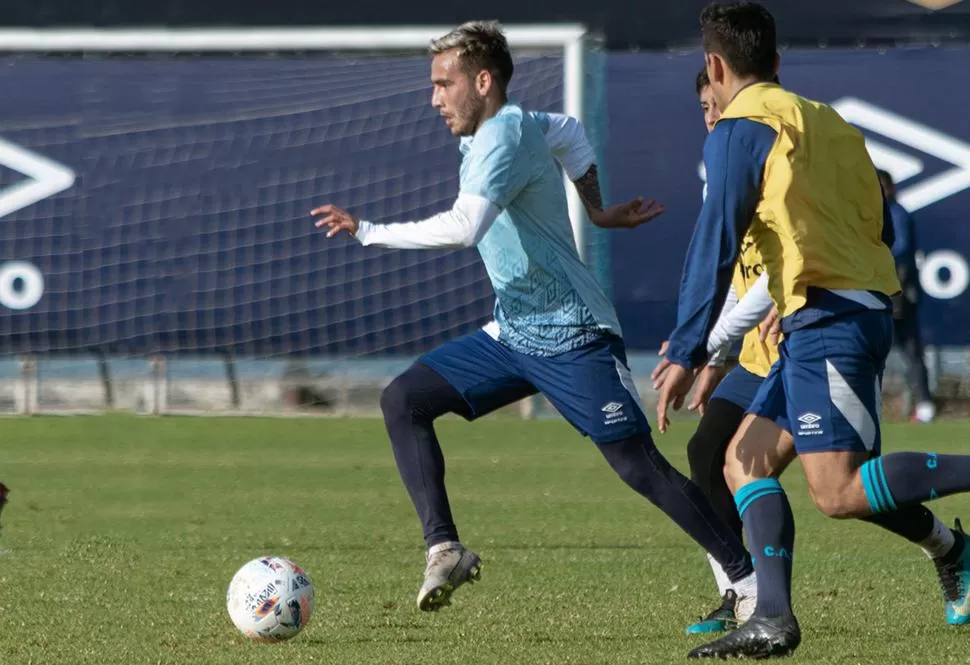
{"x": 449, "y": 566}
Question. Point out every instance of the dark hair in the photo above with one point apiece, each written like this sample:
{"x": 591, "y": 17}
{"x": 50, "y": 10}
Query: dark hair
{"x": 743, "y": 33}
{"x": 480, "y": 45}
{"x": 701, "y": 81}
{"x": 885, "y": 177}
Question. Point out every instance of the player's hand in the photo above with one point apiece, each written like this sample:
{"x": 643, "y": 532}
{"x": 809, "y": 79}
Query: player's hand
{"x": 627, "y": 215}
{"x": 707, "y": 380}
{"x": 657, "y": 375}
{"x": 335, "y": 219}
{"x": 770, "y": 327}
{"x": 676, "y": 384}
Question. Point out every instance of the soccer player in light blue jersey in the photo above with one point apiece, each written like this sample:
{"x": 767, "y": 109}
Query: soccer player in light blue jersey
{"x": 554, "y": 331}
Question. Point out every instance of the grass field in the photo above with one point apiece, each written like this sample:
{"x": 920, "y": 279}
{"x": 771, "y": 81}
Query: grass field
{"x": 122, "y": 534}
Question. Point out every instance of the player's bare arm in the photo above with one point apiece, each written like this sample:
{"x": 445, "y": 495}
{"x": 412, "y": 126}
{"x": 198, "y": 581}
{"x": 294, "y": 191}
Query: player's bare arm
{"x": 621, "y": 216}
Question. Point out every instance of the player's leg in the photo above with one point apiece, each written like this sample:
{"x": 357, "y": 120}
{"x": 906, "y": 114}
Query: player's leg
{"x": 838, "y": 481}
{"x": 470, "y": 376}
{"x": 410, "y": 405}
{"x": 705, "y": 456}
{"x": 593, "y": 389}
{"x": 909, "y": 340}
{"x": 759, "y": 452}
{"x": 834, "y": 395}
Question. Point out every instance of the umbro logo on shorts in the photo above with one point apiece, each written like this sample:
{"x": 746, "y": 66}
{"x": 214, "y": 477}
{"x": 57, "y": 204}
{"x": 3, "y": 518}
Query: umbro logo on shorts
{"x": 809, "y": 418}
{"x": 612, "y": 407}
{"x": 811, "y": 424}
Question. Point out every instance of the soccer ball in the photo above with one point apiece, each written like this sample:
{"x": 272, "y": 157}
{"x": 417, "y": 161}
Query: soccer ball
{"x": 270, "y": 599}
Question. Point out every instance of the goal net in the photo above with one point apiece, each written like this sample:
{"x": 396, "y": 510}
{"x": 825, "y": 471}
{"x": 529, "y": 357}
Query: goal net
{"x": 155, "y": 188}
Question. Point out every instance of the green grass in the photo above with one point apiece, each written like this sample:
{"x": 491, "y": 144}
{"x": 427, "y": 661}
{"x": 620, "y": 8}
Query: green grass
{"x": 122, "y": 535}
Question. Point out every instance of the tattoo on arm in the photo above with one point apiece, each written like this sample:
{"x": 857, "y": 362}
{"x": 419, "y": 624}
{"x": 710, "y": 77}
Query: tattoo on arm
{"x": 588, "y": 186}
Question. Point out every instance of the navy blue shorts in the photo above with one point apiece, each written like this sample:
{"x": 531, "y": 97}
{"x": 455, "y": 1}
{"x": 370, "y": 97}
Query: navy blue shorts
{"x": 590, "y": 386}
{"x": 828, "y": 383}
{"x": 741, "y": 387}
{"x": 738, "y": 387}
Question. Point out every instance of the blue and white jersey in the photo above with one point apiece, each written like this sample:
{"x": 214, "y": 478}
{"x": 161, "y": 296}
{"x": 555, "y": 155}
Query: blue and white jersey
{"x": 547, "y": 301}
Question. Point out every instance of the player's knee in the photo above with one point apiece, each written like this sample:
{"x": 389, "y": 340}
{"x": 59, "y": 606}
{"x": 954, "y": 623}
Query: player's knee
{"x": 419, "y": 393}
{"x": 706, "y": 449}
{"x": 734, "y": 473}
{"x": 395, "y": 399}
{"x": 832, "y": 505}
{"x": 637, "y": 462}
{"x": 837, "y": 501}
{"x": 734, "y": 469}
{"x": 835, "y": 485}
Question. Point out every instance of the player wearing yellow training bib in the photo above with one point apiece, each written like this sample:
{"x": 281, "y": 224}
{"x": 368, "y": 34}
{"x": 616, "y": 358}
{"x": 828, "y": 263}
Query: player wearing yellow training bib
{"x": 746, "y": 305}
{"x": 794, "y": 176}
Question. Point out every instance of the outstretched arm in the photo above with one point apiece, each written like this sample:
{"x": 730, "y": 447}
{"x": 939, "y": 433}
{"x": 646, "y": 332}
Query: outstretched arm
{"x": 463, "y": 226}
{"x": 567, "y": 141}
{"x": 493, "y": 172}
{"x": 620, "y": 216}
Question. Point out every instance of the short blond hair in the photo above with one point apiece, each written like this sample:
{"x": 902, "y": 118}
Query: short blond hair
{"x": 480, "y": 45}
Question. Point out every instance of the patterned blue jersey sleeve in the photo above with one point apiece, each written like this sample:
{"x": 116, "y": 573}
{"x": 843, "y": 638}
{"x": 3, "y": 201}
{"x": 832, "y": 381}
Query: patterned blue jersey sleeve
{"x": 497, "y": 167}
{"x": 734, "y": 157}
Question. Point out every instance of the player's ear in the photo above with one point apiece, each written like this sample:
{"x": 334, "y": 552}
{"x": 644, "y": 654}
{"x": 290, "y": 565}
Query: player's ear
{"x": 715, "y": 67}
{"x": 484, "y": 82}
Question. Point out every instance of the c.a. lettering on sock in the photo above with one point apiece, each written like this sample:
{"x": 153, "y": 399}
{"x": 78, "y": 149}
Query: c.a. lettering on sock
{"x": 931, "y": 460}
{"x": 778, "y": 552}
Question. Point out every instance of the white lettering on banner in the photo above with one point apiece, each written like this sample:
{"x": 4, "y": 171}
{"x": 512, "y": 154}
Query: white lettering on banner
{"x": 21, "y": 285}
{"x": 901, "y": 166}
{"x": 920, "y": 137}
{"x": 21, "y": 282}
{"x": 45, "y": 177}
{"x": 944, "y": 274}
{"x": 932, "y": 279}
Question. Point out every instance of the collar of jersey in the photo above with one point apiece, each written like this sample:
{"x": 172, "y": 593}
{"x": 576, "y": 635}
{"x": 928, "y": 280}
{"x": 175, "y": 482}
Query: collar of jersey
{"x": 465, "y": 144}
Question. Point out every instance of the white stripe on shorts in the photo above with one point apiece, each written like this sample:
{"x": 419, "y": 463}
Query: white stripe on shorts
{"x": 850, "y": 406}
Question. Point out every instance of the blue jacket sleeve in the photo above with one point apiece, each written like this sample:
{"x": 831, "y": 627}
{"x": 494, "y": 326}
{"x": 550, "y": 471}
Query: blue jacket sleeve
{"x": 888, "y": 224}
{"x": 902, "y": 224}
{"x": 734, "y": 156}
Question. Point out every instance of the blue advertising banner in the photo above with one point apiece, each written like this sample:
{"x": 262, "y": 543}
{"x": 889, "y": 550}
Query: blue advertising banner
{"x": 163, "y": 205}
{"x": 910, "y": 105}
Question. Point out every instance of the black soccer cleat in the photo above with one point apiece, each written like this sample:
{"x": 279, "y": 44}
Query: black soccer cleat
{"x": 759, "y": 637}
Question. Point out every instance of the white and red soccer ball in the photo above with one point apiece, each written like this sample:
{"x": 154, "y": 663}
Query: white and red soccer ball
{"x": 270, "y": 599}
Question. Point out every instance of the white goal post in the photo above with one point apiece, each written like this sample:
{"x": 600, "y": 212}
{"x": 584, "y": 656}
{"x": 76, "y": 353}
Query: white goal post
{"x": 569, "y": 37}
